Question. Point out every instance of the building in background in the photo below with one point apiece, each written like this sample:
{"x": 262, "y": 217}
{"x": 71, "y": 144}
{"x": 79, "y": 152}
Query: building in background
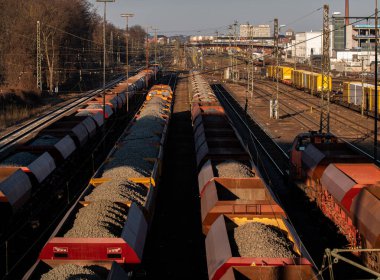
{"x": 254, "y": 31}
{"x": 290, "y": 34}
{"x": 363, "y": 36}
{"x": 339, "y": 33}
{"x": 357, "y": 36}
{"x": 306, "y": 44}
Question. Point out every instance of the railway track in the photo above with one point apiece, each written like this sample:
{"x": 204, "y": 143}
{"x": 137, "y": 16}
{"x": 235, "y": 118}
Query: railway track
{"x": 309, "y": 101}
{"x": 177, "y": 200}
{"x": 315, "y": 230}
{"x": 28, "y": 231}
{"x": 262, "y": 140}
{"x": 169, "y": 79}
{"x": 22, "y": 132}
{"x": 349, "y": 129}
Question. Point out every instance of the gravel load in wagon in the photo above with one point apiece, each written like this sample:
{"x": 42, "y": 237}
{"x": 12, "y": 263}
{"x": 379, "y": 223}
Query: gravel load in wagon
{"x": 148, "y": 130}
{"x": 100, "y": 219}
{"x": 75, "y": 272}
{"x": 128, "y": 164}
{"x": 140, "y": 144}
{"x": 137, "y": 149}
{"x": 139, "y": 136}
{"x": 258, "y": 240}
{"x": 233, "y": 169}
{"x": 146, "y": 147}
{"x": 45, "y": 140}
{"x": 137, "y": 171}
{"x": 19, "y": 159}
{"x": 119, "y": 191}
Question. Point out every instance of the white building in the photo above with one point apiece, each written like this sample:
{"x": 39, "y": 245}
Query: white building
{"x": 307, "y": 44}
{"x": 259, "y": 31}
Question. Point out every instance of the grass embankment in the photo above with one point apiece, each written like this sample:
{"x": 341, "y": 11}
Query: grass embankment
{"x": 18, "y": 105}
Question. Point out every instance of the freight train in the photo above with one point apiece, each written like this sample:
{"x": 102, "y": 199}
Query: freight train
{"x": 29, "y": 164}
{"x": 247, "y": 232}
{"x": 354, "y": 94}
{"x": 345, "y": 186}
{"x": 107, "y": 226}
{"x": 301, "y": 79}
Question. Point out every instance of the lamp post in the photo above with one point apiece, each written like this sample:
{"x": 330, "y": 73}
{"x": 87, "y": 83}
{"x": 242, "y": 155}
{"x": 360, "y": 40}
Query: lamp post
{"x": 104, "y": 55}
{"x": 127, "y": 16}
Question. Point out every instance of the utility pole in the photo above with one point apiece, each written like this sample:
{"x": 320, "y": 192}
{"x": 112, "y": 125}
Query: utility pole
{"x": 273, "y": 106}
{"x": 216, "y": 39}
{"x": 118, "y": 51}
{"x": 376, "y": 90}
{"x": 250, "y": 65}
{"x": 127, "y": 16}
{"x": 147, "y": 56}
{"x": 184, "y": 56}
{"x": 229, "y": 40}
{"x": 104, "y": 55}
{"x": 155, "y": 50}
{"x": 155, "y": 45}
{"x": 363, "y": 99}
{"x": 324, "y": 126}
{"x": 295, "y": 53}
{"x": 111, "y": 49}
{"x": 39, "y": 57}
{"x": 234, "y": 58}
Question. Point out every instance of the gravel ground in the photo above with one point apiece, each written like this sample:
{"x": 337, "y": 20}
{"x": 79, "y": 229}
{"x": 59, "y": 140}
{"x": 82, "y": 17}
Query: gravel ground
{"x": 19, "y": 159}
{"x": 98, "y": 220}
{"x": 73, "y": 272}
{"x": 233, "y": 169}
{"x": 257, "y": 240}
{"x": 45, "y": 140}
{"x": 119, "y": 191}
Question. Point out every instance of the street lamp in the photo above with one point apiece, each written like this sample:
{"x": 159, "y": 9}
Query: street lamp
{"x": 104, "y": 55}
{"x": 127, "y": 16}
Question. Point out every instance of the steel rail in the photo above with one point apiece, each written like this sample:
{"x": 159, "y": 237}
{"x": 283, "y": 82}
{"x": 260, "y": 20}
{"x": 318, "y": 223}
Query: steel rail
{"x": 80, "y": 195}
{"x": 307, "y": 102}
{"x": 280, "y": 170}
{"x": 40, "y": 122}
{"x": 316, "y": 123}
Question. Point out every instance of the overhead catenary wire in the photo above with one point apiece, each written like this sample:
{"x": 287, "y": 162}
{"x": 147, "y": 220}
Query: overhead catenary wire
{"x": 290, "y": 46}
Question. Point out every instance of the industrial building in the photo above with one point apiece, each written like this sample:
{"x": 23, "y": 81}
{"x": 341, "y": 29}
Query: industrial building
{"x": 306, "y": 44}
{"x": 253, "y": 31}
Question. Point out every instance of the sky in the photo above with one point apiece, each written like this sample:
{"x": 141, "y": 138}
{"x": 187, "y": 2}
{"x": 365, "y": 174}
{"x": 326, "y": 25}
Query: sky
{"x": 204, "y": 17}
